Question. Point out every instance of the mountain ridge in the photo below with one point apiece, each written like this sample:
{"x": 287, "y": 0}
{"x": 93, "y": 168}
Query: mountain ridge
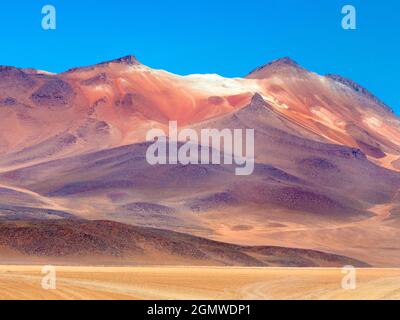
{"x": 73, "y": 146}
{"x": 115, "y": 243}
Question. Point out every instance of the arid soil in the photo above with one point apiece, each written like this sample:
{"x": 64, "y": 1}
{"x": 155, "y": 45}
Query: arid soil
{"x": 24, "y": 282}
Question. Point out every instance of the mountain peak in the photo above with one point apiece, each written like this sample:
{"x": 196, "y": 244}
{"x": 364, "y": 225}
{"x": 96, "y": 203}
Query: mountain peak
{"x": 257, "y": 98}
{"x": 273, "y": 67}
{"x": 257, "y": 105}
{"x": 128, "y": 60}
{"x": 284, "y": 61}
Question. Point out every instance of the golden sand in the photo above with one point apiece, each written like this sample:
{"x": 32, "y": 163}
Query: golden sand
{"x": 25, "y": 282}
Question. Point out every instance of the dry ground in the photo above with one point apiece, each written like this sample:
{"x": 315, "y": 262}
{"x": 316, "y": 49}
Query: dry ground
{"x": 24, "y": 282}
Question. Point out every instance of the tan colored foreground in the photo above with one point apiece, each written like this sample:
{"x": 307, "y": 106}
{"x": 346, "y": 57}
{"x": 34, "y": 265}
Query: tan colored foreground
{"x": 24, "y": 282}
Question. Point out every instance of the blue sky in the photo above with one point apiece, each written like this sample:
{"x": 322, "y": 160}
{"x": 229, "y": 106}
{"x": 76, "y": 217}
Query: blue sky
{"x": 227, "y": 37}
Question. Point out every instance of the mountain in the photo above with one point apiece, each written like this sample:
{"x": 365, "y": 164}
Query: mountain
{"x": 327, "y": 156}
{"x": 111, "y": 243}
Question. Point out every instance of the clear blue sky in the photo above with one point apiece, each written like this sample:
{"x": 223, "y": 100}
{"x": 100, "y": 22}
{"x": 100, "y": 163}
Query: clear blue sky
{"x": 228, "y": 37}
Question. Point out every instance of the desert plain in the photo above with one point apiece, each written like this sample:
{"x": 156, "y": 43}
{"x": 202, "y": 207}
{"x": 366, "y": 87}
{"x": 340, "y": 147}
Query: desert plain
{"x": 210, "y": 283}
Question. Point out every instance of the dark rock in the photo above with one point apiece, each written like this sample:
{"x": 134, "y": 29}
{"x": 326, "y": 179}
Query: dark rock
{"x": 55, "y": 92}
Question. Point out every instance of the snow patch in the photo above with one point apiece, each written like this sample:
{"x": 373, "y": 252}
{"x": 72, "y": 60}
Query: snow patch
{"x": 373, "y": 122}
{"x": 218, "y": 85}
